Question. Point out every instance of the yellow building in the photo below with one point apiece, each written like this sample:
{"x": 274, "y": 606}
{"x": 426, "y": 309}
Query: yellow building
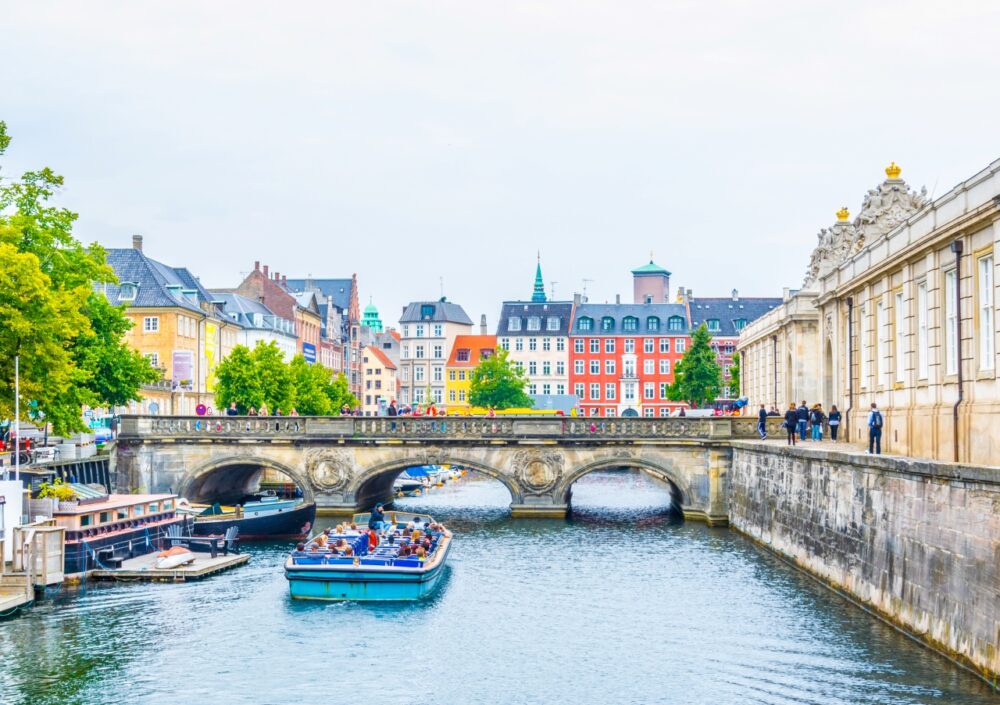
{"x": 378, "y": 381}
{"x": 176, "y": 325}
{"x": 466, "y": 353}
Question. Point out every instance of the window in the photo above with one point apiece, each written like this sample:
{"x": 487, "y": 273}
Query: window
{"x": 950, "y": 323}
{"x": 418, "y": 374}
{"x": 628, "y": 367}
{"x": 664, "y": 367}
{"x": 534, "y": 323}
{"x": 585, "y": 323}
{"x": 607, "y": 323}
{"x": 595, "y": 390}
{"x": 406, "y": 374}
{"x": 418, "y": 395}
{"x": 406, "y": 331}
{"x": 561, "y": 345}
{"x": 578, "y": 345}
{"x": 514, "y": 324}
{"x": 461, "y": 355}
{"x": 663, "y": 390}
{"x": 560, "y": 389}
{"x": 629, "y": 345}
{"x": 518, "y": 344}
{"x": 461, "y": 395}
{"x": 609, "y": 391}
{"x": 532, "y": 344}
{"x": 578, "y": 367}
{"x": 648, "y": 411}
{"x": 438, "y": 352}
{"x": 609, "y": 367}
{"x": 578, "y": 390}
{"x": 451, "y": 375}
{"x": 532, "y": 367}
{"x": 609, "y": 345}
{"x": 922, "y": 346}
{"x": 898, "y": 330}
{"x": 648, "y": 367}
{"x": 648, "y": 345}
{"x": 505, "y": 343}
{"x": 552, "y": 323}
{"x": 560, "y": 368}
{"x": 438, "y": 396}
{"x": 713, "y": 325}
{"x": 127, "y": 291}
{"x": 427, "y": 311}
{"x": 546, "y": 344}
{"x": 420, "y": 331}
{"x": 675, "y": 323}
{"x": 154, "y": 507}
{"x": 866, "y": 356}
{"x": 546, "y": 389}
{"x": 154, "y": 359}
{"x": 880, "y": 351}
{"x": 451, "y": 395}
{"x": 461, "y": 375}
{"x": 664, "y": 345}
{"x": 648, "y": 390}
{"x": 151, "y": 324}
{"x": 595, "y": 367}
{"x": 664, "y": 411}
{"x": 630, "y": 323}
{"x": 987, "y": 334}
{"x": 595, "y": 345}
{"x": 420, "y": 352}
{"x": 438, "y": 374}
{"x": 594, "y": 410}
{"x": 681, "y": 345}
{"x": 652, "y": 324}
{"x": 546, "y": 368}
{"x": 740, "y": 324}
{"x": 438, "y": 330}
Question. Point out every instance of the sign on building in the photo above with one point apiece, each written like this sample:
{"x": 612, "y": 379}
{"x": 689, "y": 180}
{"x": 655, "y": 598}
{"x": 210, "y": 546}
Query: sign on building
{"x": 182, "y": 366}
{"x": 309, "y": 352}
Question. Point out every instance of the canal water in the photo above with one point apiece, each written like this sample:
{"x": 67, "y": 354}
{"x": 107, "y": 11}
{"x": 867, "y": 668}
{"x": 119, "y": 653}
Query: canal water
{"x": 620, "y": 604}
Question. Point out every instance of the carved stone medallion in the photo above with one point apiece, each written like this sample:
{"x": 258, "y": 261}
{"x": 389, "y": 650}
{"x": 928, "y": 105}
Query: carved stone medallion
{"x": 329, "y": 469}
{"x": 538, "y": 470}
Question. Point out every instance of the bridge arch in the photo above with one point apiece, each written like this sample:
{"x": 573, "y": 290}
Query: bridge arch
{"x": 375, "y": 482}
{"x": 240, "y": 470}
{"x": 666, "y": 471}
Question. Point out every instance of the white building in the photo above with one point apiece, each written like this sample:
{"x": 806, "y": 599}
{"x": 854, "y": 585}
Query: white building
{"x": 258, "y": 323}
{"x": 427, "y": 333}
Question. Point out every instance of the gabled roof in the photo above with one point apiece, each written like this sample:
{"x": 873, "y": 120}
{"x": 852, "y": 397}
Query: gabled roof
{"x": 728, "y": 310}
{"x": 441, "y": 312}
{"x": 474, "y": 344}
{"x": 335, "y": 291}
{"x": 381, "y": 357}
{"x": 159, "y": 286}
{"x": 244, "y": 311}
{"x": 640, "y": 311}
{"x": 523, "y": 309}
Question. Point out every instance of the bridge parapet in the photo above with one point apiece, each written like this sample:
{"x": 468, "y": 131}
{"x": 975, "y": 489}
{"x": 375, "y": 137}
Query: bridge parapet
{"x": 360, "y": 428}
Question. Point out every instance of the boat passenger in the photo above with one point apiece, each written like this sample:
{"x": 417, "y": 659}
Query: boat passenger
{"x": 321, "y": 540}
{"x": 348, "y": 550}
{"x": 377, "y": 518}
{"x": 404, "y": 552}
{"x": 415, "y": 536}
{"x": 300, "y": 546}
{"x": 421, "y": 554}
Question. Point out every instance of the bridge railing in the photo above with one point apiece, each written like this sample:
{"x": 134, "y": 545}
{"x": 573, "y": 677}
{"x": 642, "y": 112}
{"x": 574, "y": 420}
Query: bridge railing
{"x": 439, "y": 427}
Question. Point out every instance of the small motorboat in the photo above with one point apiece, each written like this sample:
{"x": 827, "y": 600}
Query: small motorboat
{"x": 173, "y": 558}
{"x": 260, "y": 516}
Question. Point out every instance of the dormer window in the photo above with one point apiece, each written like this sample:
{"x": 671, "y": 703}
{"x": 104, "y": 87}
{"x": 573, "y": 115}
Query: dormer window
{"x": 427, "y": 311}
{"x": 534, "y": 323}
{"x": 675, "y": 323}
{"x": 514, "y": 323}
{"x": 191, "y": 295}
{"x": 740, "y": 323}
{"x": 552, "y": 323}
{"x": 127, "y": 291}
{"x": 630, "y": 323}
{"x": 585, "y": 323}
{"x": 462, "y": 355}
{"x": 652, "y": 324}
{"x": 607, "y": 323}
{"x": 713, "y": 325}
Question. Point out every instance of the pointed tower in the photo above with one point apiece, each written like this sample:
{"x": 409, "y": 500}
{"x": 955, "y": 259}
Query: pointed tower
{"x": 538, "y": 295}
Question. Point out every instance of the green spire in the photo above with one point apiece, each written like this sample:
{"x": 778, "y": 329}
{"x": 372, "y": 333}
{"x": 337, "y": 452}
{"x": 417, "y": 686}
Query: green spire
{"x": 538, "y": 294}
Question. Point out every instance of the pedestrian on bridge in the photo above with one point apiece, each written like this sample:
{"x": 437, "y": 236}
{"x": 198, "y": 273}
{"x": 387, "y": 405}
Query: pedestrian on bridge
{"x": 802, "y": 419}
{"x": 762, "y": 422}
{"x": 875, "y": 422}
{"x": 791, "y": 423}
{"x": 834, "y": 422}
{"x": 816, "y": 419}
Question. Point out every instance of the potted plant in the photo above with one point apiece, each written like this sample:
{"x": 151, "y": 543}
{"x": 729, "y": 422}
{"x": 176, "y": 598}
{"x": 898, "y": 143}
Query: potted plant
{"x": 60, "y": 493}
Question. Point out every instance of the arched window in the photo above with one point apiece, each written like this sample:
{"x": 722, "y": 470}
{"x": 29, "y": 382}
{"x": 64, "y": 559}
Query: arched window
{"x": 585, "y": 323}
{"x": 675, "y": 323}
{"x": 630, "y": 323}
{"x": 607, "y": 323}
{"x": 652, "y": 324}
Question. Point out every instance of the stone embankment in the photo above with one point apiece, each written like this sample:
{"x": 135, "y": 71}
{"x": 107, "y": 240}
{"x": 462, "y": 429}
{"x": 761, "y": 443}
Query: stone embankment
{"x": 916, "y": 542}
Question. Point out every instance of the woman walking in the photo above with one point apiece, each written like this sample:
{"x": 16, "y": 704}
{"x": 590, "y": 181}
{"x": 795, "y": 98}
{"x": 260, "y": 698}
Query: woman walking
{"x": 834, "y": 422}
{"x": 816, "y": 418}
{"x": 791, "y": 423}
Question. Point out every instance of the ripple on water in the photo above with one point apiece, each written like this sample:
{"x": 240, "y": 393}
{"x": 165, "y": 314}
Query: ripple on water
{"x": 619, "y": 604}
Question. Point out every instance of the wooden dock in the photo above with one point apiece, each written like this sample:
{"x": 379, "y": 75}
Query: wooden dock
{"x": 15, "y": 591}
{"x": 141, "y": 568}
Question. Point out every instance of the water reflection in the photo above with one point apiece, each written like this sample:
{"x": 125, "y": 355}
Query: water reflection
{"x": 622, "y": 603}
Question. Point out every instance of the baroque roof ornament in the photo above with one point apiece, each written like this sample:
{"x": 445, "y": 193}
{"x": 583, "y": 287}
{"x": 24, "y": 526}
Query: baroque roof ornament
{"x": 883, "y": 209}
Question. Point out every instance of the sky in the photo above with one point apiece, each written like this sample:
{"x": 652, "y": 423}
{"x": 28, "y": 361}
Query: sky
{"x": 415, "y": 143}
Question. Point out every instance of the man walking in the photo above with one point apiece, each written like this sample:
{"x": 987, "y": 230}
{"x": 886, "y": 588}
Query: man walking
{"x": 762, "y": 423}
{"x": 802, "y": 418}
{"x": 875, "y": 422}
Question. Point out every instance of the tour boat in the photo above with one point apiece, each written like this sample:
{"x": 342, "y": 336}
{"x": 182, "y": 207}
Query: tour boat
{"x": 260, "y": 516}
{"x": 371, "y": 574}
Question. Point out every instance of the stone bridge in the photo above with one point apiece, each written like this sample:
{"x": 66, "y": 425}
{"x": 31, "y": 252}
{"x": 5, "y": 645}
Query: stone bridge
{"x": 346, "y": 464}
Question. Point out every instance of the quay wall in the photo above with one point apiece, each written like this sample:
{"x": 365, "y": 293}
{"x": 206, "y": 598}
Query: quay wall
{"x": 916, "y": 542}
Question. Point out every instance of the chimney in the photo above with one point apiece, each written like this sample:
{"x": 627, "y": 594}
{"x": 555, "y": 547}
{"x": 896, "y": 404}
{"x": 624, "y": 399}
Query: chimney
{"x": 284, "y": 281}
{"x": 260, "y": 299}
{"x": 577, "y": 299}
{"x": 277, "y": 277}
{"x": 482, "y": 324}
{"x": 689, "y": 292}
{"x": 256, "y": 266}
{"x": 736, "y": 294}
{"x": 137, "y": 242}
{"x": 618, "y": 298}
{"x": 265, "y": 271}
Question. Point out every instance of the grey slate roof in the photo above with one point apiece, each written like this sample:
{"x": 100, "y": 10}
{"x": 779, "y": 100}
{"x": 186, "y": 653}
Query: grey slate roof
{"x": 523, "y": 309}
{"x": 443, "y": 312}
{"x": 619, "y": 311}
{"x": 336, "y": 291}
{"x": 153, "y": 279}
{"x": 247, "y": 312}
{"x": 728, "y": 310}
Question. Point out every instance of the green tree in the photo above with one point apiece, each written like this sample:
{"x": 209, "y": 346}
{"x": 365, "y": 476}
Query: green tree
{"x": 236, "y": 381}
{"x": 50, "y": 315}
{"x": 311, "y": 383}
{"x": 499, "y": 383}
{"x": 274, "y": 375}
{"x": 697, "y": 377}
{"x": 734, "y": 377}
{"x": 340, "y": 394}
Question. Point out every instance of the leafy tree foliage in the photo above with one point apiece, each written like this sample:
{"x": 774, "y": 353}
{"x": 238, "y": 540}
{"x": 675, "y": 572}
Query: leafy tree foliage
{"x": 697, "y": 377}
{"x": 69, "y": 342}
{"x": 734, "y": 377}
{"x": 260, "y": 376}
{"x": 497, "y": 382}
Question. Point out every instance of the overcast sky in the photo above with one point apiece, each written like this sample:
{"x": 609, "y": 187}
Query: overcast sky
{"x": 409, "y": 141}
